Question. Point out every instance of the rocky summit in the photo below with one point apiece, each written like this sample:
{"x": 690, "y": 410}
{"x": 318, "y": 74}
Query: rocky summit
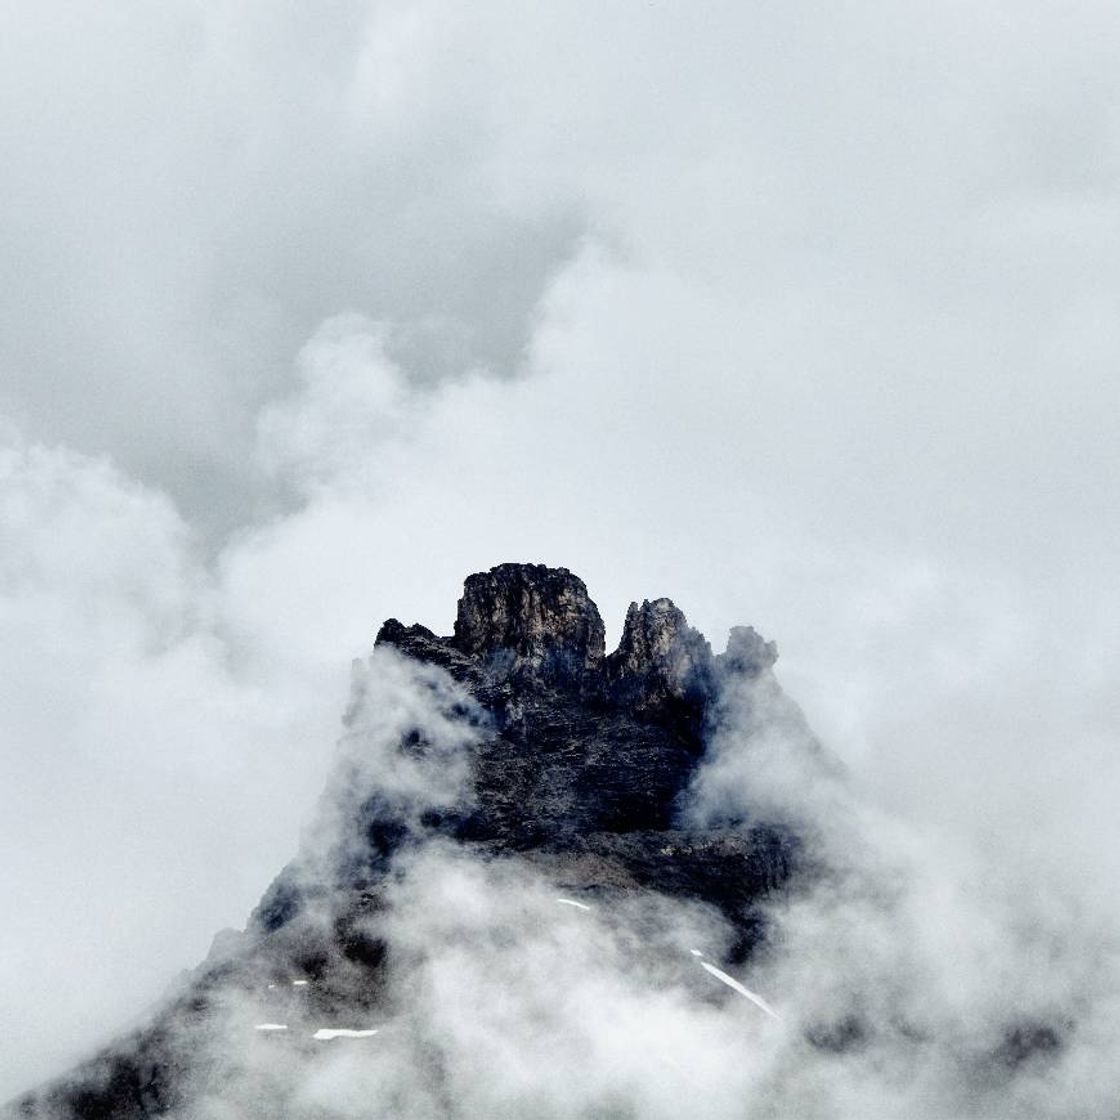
{"x": 517, "y": 746}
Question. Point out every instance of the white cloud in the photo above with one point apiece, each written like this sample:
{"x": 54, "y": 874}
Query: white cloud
{"x": 834, "y": 357}
{"x": 144, "y": 759}
{"x": 351, "y": 397}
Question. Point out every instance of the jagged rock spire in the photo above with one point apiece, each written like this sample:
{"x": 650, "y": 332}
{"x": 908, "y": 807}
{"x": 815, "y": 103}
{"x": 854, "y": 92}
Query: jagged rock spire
{"x": 531, "y": 623}
{"x": 661, "y": 659}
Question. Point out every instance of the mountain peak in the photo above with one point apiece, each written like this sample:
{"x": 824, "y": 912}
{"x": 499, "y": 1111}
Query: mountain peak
{"x": 515, "y": 747}
{"x": 530, "y": 625}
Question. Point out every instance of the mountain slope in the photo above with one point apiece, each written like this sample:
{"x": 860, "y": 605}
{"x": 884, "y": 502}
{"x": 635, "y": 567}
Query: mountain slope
{"x": 514, "y": 762}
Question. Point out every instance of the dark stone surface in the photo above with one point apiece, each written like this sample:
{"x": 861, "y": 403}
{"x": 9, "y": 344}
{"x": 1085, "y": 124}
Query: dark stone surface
{"x": 530, "y": 622}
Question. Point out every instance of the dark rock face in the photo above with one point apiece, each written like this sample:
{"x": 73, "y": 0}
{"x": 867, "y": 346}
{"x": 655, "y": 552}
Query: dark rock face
{"x": 662, "y": 667}
{"x": 576, "y": 765}
{"x": 527, "y": 620}
{"x": 585, "y": 743}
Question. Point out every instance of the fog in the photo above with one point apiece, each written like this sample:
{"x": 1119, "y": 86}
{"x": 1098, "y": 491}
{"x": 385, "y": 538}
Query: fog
{"x": 803, "y": 316}
{"x": 912, "y": 971}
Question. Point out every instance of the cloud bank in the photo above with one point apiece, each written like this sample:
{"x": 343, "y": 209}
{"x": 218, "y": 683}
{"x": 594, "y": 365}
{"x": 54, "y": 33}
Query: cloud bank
{"x": 912, "y": 972}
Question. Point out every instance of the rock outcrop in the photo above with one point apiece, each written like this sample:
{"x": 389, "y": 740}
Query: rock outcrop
{"x": 529, "y": 620}
{"x": 662, "y": 667}
{"x": 587, "y": 744}
{"x": 523, "y": 627}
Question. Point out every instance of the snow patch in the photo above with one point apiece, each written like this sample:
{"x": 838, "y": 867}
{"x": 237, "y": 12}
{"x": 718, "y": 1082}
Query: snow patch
{"x": 734, "y": 984}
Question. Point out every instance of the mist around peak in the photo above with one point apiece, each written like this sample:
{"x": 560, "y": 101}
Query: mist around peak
{"x": 435, "y": 950}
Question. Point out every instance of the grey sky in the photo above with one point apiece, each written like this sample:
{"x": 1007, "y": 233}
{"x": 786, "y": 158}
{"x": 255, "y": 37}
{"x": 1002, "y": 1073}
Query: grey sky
{"x": 803, "y": 314}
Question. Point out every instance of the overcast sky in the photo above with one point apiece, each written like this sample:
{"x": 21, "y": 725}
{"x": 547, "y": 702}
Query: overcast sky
{"x": 803, "y": 314}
